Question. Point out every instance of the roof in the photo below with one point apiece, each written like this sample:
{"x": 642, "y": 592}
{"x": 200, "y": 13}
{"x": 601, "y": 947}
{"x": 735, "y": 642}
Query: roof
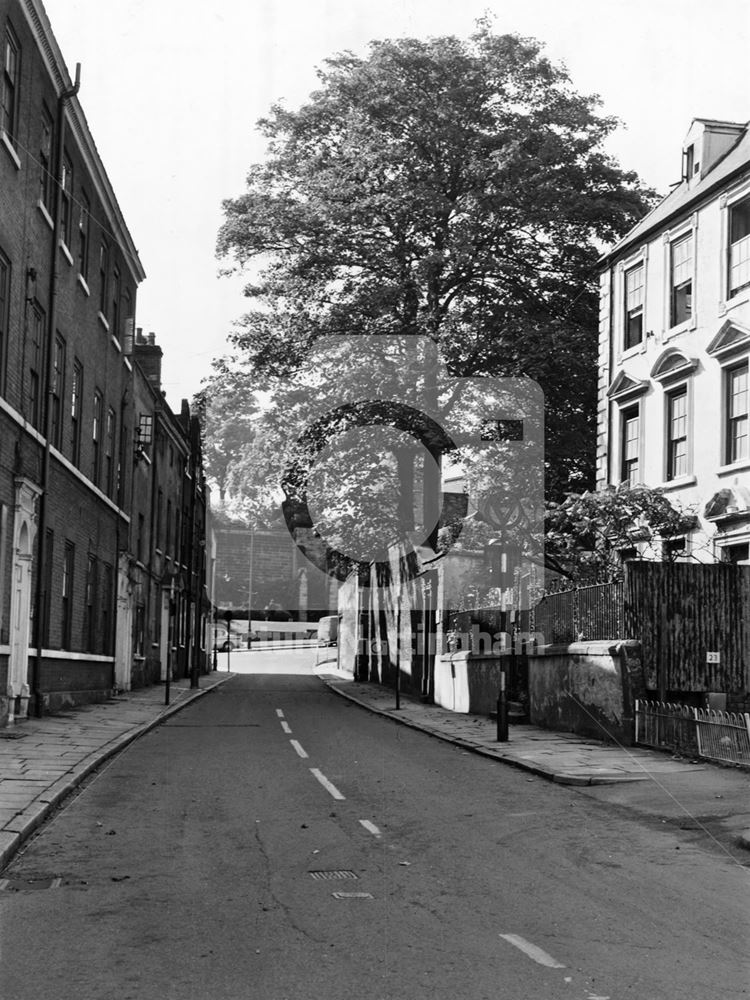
{"x": 683, "y": 196}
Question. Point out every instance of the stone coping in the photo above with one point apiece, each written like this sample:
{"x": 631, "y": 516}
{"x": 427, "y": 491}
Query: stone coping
{"x": 592, "y": 647}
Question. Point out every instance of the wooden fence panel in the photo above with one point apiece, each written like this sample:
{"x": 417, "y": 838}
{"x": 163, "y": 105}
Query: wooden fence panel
{"x": 681, "y": 612}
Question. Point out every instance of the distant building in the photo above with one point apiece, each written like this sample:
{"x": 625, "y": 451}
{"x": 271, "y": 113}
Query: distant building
{"x": 674, "y": 347}
{"x": 272, "y": 565}
{"x": 163, "y": 598}
{"x": 71, "y": 390}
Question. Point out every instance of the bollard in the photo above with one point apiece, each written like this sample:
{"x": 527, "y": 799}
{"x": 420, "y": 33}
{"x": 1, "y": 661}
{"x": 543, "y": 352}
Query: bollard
{"x": 502, "y": 712}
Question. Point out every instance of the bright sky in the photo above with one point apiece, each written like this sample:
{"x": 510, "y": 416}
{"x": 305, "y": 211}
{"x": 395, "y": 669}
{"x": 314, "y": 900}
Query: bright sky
{"x": 172, "y": 90}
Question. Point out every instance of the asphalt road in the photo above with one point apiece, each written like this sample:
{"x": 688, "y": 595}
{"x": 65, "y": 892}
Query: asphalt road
{"x": 273, "y": 841}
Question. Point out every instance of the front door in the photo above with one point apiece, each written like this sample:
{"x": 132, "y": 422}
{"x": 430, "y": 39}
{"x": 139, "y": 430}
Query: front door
{"x": 21, "y": 606}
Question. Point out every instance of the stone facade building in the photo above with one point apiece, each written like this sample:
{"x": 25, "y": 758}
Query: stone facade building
{"x": 674, "y": 347}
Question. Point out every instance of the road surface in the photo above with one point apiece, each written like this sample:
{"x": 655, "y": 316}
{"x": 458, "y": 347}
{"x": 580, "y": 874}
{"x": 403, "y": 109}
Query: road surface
{"x": 273, "y": 841}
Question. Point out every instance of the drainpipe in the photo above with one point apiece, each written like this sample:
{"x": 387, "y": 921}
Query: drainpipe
{"x": 39, "y": 609}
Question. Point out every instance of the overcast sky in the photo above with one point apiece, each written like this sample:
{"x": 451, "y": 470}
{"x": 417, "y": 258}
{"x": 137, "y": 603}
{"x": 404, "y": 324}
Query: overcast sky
{"x": 172, "y": 90}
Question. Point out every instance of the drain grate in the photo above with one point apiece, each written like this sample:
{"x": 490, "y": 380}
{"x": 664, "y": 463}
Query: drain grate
{"x": 336, "y": 873}
{"x": 22, "y": 884}
{"x": 9, "y": 734}
{"x": 352, "y": 895}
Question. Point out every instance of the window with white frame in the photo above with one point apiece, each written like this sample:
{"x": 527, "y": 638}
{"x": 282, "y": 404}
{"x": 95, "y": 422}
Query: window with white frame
{"x": 634, "y": 282}
{"x": 9, "y": 82}
{"x": 76, "y": 393}
{"x": 66, "y": 196}
{"x": 4, "y": 307}
{"x": 681, "y": 283}
{"x": 739, "y": 246}
{"x": 737, "y": 415}
{"x": 630, "y": 435}
{"x": 83, "y": 236}
{"x": 46, "y": 180}
{"x": 677, "y": 433}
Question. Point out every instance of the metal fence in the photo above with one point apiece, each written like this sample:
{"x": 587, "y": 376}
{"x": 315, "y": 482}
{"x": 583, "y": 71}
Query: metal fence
{"x": 720, "y": 736}
{"x": 723, "y": 735}
{"x": 665, "y": 726}
{"x": 584, "y": 613}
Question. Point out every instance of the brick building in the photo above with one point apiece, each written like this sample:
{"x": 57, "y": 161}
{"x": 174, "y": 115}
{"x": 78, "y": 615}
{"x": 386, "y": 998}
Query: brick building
{"x": 163, "y": 600}
{"x": 69, "y": 273}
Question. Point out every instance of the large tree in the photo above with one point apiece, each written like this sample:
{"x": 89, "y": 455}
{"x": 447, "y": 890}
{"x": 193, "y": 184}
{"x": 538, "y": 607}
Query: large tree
{"x": 456, "y": 190}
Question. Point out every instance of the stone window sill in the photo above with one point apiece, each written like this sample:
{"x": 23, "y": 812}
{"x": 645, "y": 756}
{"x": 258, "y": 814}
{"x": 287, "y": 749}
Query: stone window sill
{"x": 10, "y": 149}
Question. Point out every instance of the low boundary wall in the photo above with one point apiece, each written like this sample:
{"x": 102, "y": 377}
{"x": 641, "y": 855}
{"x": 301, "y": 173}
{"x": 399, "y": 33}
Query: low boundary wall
{"x": 584, "y": 688}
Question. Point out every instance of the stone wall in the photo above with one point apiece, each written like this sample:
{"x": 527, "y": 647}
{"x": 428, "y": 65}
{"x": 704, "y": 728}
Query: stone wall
{"x": 583, "y": 688}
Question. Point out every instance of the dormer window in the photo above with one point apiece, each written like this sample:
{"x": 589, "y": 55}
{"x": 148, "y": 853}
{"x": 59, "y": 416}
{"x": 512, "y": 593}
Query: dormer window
{"x": 690, "y": 165}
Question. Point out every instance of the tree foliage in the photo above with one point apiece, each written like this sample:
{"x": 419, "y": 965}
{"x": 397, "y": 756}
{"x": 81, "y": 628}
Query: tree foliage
{"x": 453, "y": 189}
{"x": 586, "y": 533}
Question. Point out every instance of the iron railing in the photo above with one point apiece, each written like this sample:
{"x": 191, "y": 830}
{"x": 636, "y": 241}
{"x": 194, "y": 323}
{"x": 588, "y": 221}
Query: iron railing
{"x": 723, "y": 736}
{"x": 665, "y": 726}
{"x": 593, "y": 612}
{"x": 720, "y": 736}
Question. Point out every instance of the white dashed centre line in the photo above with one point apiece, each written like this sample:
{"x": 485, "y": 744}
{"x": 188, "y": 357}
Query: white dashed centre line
{"x": 286, "y": 727}
{"x": 279, "y": 713}
{"x": 370, "y": 827}
{"x": 533, "y": 952}
{"x": 298, "y": 748}
{"x": 327, "y": 784}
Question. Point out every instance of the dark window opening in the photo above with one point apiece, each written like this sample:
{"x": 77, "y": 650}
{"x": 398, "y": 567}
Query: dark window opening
{"x": 57, "y": 391}
{"x": 736, "y": 553}
{"x": 630, "y": 445}
{"x": 84, "y": 220}
{"x": 739, "y": 246}
{"x": 46, "y": 186}
{"x": 67, "y": 595}
{"x": 11, "y": 66}
{"x": 66, "y": 203}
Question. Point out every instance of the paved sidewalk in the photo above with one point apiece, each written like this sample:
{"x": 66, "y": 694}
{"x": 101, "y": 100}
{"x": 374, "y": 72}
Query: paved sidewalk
{"x": 649, "y": 782}
{"x": 43, "y": 760}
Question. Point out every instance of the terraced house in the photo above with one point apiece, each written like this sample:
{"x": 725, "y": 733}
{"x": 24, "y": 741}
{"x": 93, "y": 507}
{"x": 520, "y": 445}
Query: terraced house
{"x": 674, "y": 407}
{"x": 69, "y": 272}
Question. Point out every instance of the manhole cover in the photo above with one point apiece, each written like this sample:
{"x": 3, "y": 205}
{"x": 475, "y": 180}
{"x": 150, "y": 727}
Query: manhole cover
{"x": 337, "y": 873}
{"x": 10, "y": 735}
{"x": 23, "y": 884}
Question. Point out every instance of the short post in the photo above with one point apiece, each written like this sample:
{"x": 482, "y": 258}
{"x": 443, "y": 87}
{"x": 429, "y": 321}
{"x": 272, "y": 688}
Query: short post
{"x": 502, "y": 712}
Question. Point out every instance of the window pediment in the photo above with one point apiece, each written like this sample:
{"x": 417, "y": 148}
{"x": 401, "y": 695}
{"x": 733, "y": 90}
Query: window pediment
{"x": 673, "y": 364}
{"x": 730, "y": 338}
{"x": 625, "y": 386}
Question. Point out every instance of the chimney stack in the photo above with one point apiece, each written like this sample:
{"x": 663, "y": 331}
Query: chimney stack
{"x": 148, "y": 355}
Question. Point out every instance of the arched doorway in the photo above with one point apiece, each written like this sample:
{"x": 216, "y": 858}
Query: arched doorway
{"x": 20, "y": 599}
